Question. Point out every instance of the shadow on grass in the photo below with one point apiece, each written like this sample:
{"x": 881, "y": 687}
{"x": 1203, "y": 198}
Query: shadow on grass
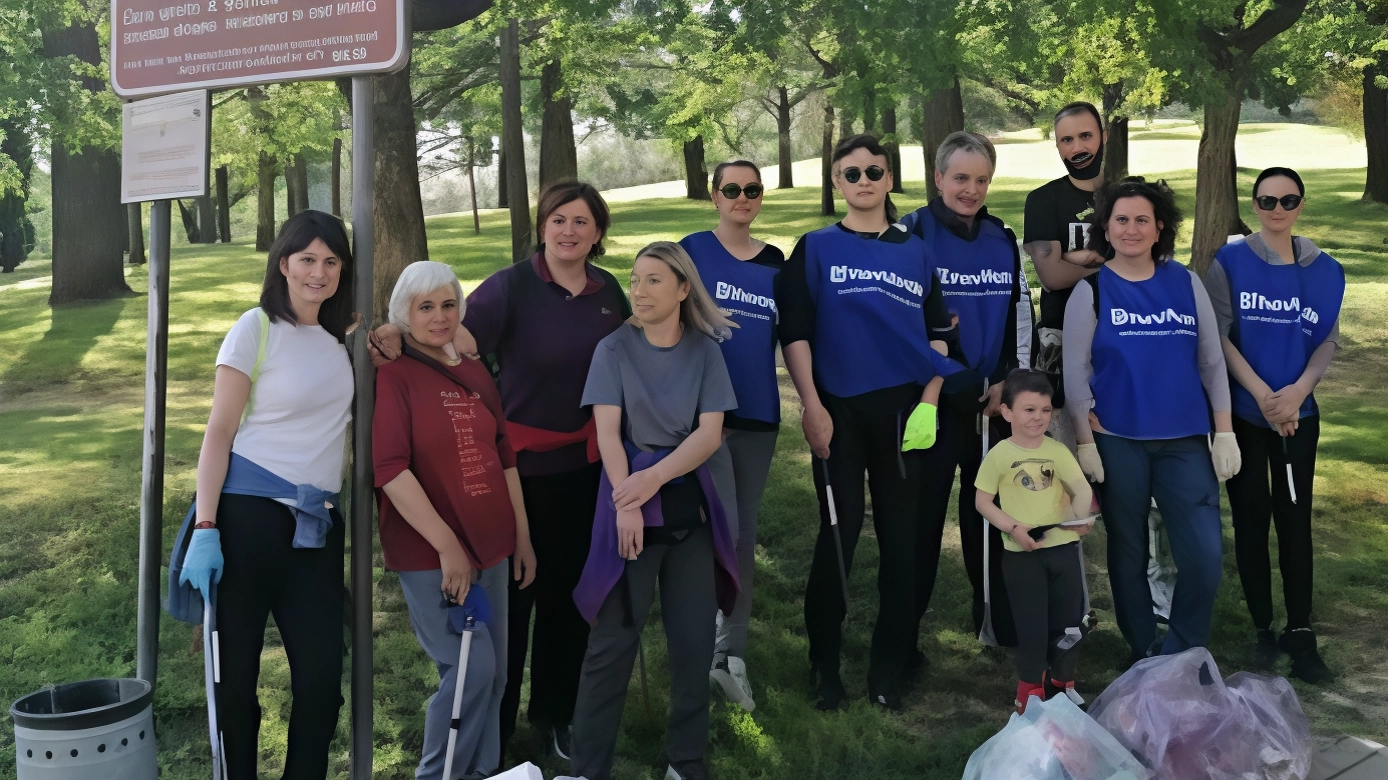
{"x": 57, "y": 356}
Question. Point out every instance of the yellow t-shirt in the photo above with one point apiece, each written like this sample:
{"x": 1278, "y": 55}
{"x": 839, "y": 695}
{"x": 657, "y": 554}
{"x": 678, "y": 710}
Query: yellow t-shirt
{"x": 1032, "y": 485}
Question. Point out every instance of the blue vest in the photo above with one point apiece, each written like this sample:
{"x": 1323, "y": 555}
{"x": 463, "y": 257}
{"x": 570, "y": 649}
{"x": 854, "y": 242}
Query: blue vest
{"x": 977, "y": 279}
{"x": 1145, "y": 356}
{"x": 869, "y": 301}
{"x": 1282, "y": 313}
{"x": 745, "y": 291}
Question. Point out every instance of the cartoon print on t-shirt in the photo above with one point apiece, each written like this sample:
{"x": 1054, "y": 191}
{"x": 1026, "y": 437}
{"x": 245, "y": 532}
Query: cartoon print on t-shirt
{"x": 1035, "y": 474}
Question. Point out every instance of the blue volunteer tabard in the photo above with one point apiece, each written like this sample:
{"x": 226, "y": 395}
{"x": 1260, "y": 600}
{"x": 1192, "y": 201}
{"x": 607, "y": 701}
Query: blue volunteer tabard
{"x": 745, "y": 291}
{"x": 869, "y": 298}
{"x": 1282, "y": 313}
{"x": 1145, "y": 355}
{"x": 977, "y": 279}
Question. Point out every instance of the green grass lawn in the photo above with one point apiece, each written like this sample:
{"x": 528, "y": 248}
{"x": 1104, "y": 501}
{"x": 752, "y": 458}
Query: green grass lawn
{"x": 70, "y": 421}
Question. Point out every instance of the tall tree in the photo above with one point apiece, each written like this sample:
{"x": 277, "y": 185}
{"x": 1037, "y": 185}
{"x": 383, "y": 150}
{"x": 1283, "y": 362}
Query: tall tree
{"x": 558, "y": 155}
{"x": 1217, "y": 44}
{"x": 88, "y": 219}
{"x": 399, "y": 210}
{"x": 16, "y": 231}
{"x": 513, "y": 141}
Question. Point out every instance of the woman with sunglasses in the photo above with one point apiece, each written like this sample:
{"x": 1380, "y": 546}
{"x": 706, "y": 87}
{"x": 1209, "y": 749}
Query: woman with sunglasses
{"x": 1277, "y": 298}
{"x": 739, "y": 273}
{"x": 979, "y": 270}
{"x": 853, "y": 300}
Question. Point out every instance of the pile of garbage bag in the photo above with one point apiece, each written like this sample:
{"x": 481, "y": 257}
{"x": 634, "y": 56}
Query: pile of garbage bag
{"x": 1178, "y": 716}
{"x": 1054, "y": 740}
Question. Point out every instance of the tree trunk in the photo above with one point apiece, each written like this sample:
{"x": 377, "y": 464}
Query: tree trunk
{"x": 88, "y": 218}
{"x": 845, "y": 123}
{"x": 472, "y": 185}
{"x": 88, "y": 221}
{"x": 16, "y": 231}
{"x": 336, "y": 177}
{"x": 784, "y": 162}
{"x": 1376, "y": 133}
{"x": 134, "y": 217}
{"x": 501, "y": 200}
{"x": 870, "y": 112}
{"x": 265, "y": 203}
{"x": 296, "y": 183}
{"x": 223, "y": 206}
{"x": 399, "y": 217}
{"x": 558, "y": 156}
{"x": 1116, "y": 147}
{"x": 513, "y": 142}
{"x": 944, "y": 114}
{"x": 826, "y": 163}
{"x": 189, "y": 217}
{"x": 1216, "y": 201}
{"x": 893, "y": 146}
{"x": 207, "y": 220}
{"x": 695, "y": 174}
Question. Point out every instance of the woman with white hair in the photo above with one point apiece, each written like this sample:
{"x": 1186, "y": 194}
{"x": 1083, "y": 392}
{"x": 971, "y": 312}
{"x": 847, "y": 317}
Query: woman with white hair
{"x": 450, "y": 509}
{"x": 658, "y": 387}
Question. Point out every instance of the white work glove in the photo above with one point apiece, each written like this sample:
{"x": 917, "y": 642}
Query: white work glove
{"x": 1090, "y": 463}
{"x": 1225, "y": 454}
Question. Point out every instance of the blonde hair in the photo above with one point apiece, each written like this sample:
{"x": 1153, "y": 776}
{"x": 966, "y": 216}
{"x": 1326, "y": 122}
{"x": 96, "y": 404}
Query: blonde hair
{"x": 697, "y": 310}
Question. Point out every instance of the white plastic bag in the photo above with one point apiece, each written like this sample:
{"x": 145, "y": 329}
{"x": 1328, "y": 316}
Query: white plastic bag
{"x": 1054, "y": 740}
{"x": 1183, "y": 721}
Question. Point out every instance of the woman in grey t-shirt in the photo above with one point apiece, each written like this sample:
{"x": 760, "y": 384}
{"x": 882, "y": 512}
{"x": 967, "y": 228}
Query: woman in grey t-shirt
{"x": 658, "y": 387}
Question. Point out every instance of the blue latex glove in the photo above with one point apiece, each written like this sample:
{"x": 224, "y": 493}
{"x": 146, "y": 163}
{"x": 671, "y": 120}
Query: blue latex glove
{"x": 202, "y": 566}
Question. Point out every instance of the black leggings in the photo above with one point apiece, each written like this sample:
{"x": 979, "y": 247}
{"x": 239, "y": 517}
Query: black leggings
{"x": 871, "y": 443}
{"x": 560, "y": 509}
{"x": 302, "y": 588}
{"x": 1047, "y": 587}
{"x": 1257, "y": 503}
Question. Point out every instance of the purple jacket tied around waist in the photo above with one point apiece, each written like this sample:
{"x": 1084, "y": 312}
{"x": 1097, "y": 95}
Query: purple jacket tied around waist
{"x": 604, "y": 568}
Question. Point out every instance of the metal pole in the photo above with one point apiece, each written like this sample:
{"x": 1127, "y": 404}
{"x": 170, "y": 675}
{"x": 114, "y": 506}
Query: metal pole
{"x": 363, "y": 235}
{"x": 152, "y": 483}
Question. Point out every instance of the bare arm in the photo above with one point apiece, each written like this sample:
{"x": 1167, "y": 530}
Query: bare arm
{"x": 814, "y": 419}
{"x": 409, "y": 499}
{"x": 230, "y": 392}
{"x": 691, "y": 453}
{"x": 524, "y": 566}
{"x": 983, "y": 502}
{"x": 1061, "y": 270}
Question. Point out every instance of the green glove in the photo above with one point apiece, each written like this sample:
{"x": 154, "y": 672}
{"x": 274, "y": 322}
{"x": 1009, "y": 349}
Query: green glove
{"x": 920, "y": 429}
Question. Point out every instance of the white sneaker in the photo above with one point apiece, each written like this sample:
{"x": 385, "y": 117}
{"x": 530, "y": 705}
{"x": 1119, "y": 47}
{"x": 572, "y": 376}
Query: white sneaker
{"x": 1073, "y": 696}
{"x": 730, "y": 672}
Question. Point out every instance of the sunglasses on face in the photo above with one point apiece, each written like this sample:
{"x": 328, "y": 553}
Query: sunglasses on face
{"x": 873, "y": 172}
{"x": 1269, "y": 202}
{"x": 731, "y": 191}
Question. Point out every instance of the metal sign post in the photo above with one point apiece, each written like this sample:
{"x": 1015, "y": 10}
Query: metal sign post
{"x": 152, "y": 482}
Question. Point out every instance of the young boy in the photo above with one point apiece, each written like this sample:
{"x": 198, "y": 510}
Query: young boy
{"x": 1042, "y": 564}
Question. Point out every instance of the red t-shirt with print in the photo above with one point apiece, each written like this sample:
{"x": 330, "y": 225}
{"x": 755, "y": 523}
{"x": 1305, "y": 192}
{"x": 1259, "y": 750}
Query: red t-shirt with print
{"x": 454, "y": 441}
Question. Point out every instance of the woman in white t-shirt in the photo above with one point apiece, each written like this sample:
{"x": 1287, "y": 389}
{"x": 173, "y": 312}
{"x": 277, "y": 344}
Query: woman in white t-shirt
{"x": 268, "y": 534}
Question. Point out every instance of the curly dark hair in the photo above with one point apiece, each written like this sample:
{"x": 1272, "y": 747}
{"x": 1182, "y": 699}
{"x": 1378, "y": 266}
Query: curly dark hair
{"x": 1164, "y": 209}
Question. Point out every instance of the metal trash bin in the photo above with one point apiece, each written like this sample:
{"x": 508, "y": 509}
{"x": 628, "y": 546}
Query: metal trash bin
{"x": 92, "y": 729}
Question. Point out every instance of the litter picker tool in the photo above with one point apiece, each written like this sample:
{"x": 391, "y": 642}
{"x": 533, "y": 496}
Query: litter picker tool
{"x": 466, "y": 619}
{"x": 985, "y": 633}
{"x": 1291, "y": 486}
{"x": 834, "y": 526}
{"x": 212, "y": 672}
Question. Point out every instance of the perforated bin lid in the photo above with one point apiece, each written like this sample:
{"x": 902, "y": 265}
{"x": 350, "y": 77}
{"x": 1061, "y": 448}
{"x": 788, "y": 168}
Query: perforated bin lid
{"x": 82, "y": 705}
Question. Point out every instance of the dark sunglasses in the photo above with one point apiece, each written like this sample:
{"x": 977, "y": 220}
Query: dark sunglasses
{"x": 752, "y": 191}
{"x": 1268, "y": 202}
{"x": 873, "y": 172}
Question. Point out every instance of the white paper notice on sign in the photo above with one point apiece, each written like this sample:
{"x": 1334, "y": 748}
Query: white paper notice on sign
{"x": 164, "y": 151}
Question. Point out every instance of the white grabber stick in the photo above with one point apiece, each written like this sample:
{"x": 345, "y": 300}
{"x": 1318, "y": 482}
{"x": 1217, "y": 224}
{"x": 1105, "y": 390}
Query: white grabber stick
{"x": 461, "y": 676}
{"x": 985, "y": 634}
{"x": 1286, "y": 460}
{"x": 834, "y": 526}
{"x": 212, "y": 673}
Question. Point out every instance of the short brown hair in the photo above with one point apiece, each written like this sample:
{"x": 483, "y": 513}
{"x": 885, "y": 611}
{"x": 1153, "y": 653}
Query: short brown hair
{"x": 556, "y": 195}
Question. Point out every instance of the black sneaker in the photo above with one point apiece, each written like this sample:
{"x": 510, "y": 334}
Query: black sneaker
{"x": 689, "y": 770}
{"x": 831, "y": 692}
{"x": 916, "y": 662}
{"x": 1307, "y": 665}
{"x": 886, "y": 700}
{"x": 561, "y": 741}
{"x": 1265, "y": 649}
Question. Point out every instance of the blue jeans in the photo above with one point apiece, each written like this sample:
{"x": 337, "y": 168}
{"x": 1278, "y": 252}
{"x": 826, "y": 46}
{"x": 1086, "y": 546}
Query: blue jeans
{"x": 477, "y": 752}
{"x": 1177, "y": 473}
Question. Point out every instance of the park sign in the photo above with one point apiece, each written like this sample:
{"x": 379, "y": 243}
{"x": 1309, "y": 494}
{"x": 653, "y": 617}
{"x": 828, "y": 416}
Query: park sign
{"x": 161, "y": 46}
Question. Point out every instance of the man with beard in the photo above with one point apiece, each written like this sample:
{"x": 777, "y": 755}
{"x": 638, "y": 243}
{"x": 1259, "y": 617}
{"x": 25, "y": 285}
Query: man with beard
{"x": 1054, "y": 236}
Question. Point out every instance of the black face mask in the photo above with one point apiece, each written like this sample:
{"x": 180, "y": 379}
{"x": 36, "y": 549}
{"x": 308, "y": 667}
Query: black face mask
{"x": 1090, "y": 171}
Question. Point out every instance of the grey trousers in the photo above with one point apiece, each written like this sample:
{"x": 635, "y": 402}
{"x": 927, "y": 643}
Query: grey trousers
{"x": 687, "y": 606}
{"x": 752, "y": 452}
{"x": 477, "y": 752}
